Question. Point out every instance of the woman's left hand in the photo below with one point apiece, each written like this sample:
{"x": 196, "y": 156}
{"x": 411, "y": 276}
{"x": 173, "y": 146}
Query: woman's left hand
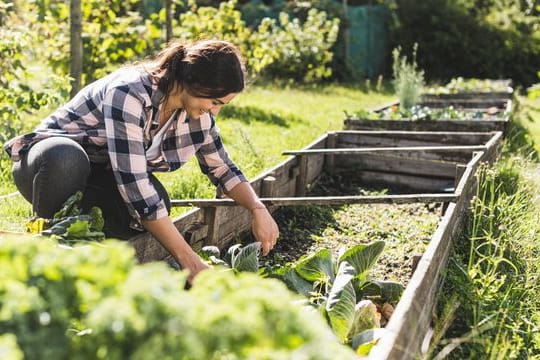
{"x": 265, "y": 229}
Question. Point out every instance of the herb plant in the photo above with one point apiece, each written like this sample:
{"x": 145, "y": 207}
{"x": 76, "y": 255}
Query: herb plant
{"x": 408, "y": 79}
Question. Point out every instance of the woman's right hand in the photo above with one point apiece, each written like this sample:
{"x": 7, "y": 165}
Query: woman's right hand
{"x": 167, "y": 234}
{"x": 194, "y": 265}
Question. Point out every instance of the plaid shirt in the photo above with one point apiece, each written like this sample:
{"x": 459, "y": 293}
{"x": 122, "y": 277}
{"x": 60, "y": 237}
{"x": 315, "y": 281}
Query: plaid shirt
{"x": 115, "y": 118}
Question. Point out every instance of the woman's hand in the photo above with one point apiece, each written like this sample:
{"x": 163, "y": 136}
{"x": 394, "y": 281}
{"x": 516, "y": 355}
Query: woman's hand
{"x": 167, "y": 234}
{"x": 264, "y": 228}
{"x": 194, "y": 264}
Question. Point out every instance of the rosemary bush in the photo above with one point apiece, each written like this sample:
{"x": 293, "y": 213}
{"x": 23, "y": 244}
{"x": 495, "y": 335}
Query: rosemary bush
{"x": 408, "y": 79}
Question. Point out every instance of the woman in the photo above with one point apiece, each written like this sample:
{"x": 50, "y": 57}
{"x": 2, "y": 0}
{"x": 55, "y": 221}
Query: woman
{"x": 115, "y": 132}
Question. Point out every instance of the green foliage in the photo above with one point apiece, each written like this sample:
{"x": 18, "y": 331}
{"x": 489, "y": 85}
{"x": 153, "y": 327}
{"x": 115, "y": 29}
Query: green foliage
{"x": 419, "y": 112}
{"x": 69, "y": 223}
{"x": 338, "y": 287}
{"x": 9, "y": 348}
{"x": 93, "y": 302}
{"x": 483, "y": 39}
{"x": 534, "y": 91}
{"x": 304, "y": 50}
{"x": 238, "y": 258}
{"x": 468, "y": 85}
{"x": 21, "y": 92}
{"x": 303, "y": 53}
{"x": 111, "y": 36}
{"x": 408, "y": 79}
{"x": 44, "y": 289}
{"x": 492, "y": 283}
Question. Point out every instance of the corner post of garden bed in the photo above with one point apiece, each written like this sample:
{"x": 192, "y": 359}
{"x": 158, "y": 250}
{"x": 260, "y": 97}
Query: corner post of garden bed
{"x": 329, "y": 159}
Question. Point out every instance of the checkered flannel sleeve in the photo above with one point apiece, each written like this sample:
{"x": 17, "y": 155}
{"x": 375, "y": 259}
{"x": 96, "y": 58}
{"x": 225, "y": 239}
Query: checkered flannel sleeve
{"x": 216, "y": 164}
{"x": 124, "y": 121}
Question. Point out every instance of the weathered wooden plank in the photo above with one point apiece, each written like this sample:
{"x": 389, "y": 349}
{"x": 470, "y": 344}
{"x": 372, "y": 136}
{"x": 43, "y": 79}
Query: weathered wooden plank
{"x": 396, "y": 164}
{"x": 325, "y": 200}
{"x": 453, "y": 156}
{"x": 331, "y": 143}
{"x": 427, "y": 125}
{"x": 503, "y": 95}
{"x": 405, "y": 181}
{"x": 351, "y": 151}
{"x": 410, "y": 138}
{"x": 466, "y": 103}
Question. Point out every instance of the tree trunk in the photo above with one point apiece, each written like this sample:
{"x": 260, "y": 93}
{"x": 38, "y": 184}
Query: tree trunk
{"x": 76, "y": 46}
{"x": 168, "y": 20}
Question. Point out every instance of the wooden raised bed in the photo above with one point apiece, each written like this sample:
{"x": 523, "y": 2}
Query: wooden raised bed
{"x": 420, "y": 166}
{"x": 500, "y": 95}
{"x": 482, "y": 104}
{"x": 500, "y": 84}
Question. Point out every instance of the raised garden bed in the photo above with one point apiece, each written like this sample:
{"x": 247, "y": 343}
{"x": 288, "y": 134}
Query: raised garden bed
{"x": 474, "y": 114}
{"x": 416, "y": 167}
{"x": 472, "y": 89}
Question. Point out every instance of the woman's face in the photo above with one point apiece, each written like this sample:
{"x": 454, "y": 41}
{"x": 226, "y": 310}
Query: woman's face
{"x": 197, "y": 106}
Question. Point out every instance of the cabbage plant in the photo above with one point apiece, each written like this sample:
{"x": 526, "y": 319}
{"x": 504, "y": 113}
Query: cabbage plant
{"x": 338, "y": 286}
{"x": 238, "y": 257}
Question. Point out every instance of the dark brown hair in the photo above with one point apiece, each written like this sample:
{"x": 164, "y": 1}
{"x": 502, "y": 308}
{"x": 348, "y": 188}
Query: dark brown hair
{"x": 207, "y": 68}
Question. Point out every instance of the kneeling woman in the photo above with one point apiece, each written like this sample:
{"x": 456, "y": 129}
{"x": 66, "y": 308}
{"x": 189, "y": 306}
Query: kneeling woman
{"x": 115, "y": 132}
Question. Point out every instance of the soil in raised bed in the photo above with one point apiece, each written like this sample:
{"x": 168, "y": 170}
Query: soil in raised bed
{"x": 406, "y": 228}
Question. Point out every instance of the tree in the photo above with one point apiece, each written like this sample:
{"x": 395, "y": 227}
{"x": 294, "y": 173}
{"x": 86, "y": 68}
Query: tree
{"x": 76, "y": 46}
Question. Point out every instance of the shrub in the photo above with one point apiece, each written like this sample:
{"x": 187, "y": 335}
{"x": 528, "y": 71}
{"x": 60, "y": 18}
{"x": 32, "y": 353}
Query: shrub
{"x": 286, "y": 49}
{"x": 484, "y": 39}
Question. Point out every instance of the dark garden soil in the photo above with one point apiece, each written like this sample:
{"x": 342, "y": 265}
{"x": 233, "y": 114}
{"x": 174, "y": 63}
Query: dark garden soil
{"x": 406, "y": 229}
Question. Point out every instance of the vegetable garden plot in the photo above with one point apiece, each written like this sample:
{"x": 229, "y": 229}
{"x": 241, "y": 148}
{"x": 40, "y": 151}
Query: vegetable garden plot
{"x": 438, "y": 114}
{"x": 418, "y": 167}
{"x": 422, "y": 165}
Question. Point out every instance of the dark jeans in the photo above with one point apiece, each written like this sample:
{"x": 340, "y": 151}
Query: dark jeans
{"x": 57, "y": 167}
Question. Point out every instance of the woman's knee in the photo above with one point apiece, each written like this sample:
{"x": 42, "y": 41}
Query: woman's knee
{"x": 51, "y": 171}
{"x": 60, "y": 156}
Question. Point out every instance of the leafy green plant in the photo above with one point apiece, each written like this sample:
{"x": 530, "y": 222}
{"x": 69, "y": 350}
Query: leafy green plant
{"x": 94, "y": 302}
{"x": 419, "y": 112}
{"x": 111, "y": 36}
{"x": 69, "y": 224}
{"x": 238, "y": 257}
{"x": 408, "y": 79}
{"x": 338, "y": 287}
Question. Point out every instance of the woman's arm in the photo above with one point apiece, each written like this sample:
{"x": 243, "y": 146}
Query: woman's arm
{"x": 123, "y": 113}
{"x": 168, "y": 235}
{"x": 264, "y": 227}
